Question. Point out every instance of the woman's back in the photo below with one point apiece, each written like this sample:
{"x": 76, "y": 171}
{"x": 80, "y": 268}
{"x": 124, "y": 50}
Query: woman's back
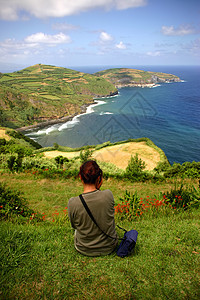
{"x": 89, "y": 239}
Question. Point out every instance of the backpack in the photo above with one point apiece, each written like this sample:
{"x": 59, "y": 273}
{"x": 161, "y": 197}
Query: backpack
{"x": 128, "y": 243}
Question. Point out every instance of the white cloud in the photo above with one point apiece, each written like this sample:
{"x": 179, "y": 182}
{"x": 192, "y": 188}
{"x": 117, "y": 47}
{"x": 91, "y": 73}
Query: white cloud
{"x": 105, "y": 37}
{"x": 155, "y": 53}
{"x": 64, "y": 27}
{"x": 181, "y": 30}
{"x": 43, "y": 38}
{"x": 11, "y": 9}
{"x": 32, "y": 45}
{"x": 121, "y": 45}
{"x": 120, "y": 4}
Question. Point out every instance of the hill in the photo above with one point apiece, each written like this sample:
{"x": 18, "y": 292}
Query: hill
{"x": 42, "y": 93}
{"x": 49, "y": 94}
{"x": 121, "y": 77}
{"x": 119, "y": 153}
{"x": 14, "y": 138}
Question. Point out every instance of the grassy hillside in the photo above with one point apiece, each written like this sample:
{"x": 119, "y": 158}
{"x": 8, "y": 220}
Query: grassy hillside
{"x": 38, "y": 258}
{"x": 131, "y": 77}
{"x": 14, "y": 137}
{"x": 39, "y": 261}
{"x": 42, "y": 92}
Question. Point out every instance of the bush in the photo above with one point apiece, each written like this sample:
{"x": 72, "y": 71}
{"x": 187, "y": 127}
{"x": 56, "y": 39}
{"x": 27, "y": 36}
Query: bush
{"x": 12, "y": 203}
{"x": 161, "y": 167}
{"x": 60, "y": 161}
{"x": 38, "y": 163}
{"x": 133, "y": 206}
{"x": 186, "y": 170}
{"x": 56, "y": 173}
{"x": 11, "y": 161}
{"x": 130, "y": 207}
{"x": 134, "y": 170}
{"x": 183, "y": 198}
{"x": 85, "y": 155}
{"x": 110, "y": 170}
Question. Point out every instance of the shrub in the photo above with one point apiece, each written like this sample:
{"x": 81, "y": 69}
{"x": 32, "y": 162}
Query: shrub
{"x": 110, "y": 170}
{"x": 85, "y": 155}
{"x": 130, "y": 206}
{"x": 134, "y": 170}
{"x": 133, "y": 206}
{"x": 19, "y": 149}
{"x": 12, "y": 203}
{"x": 60, "y": 161}
{"x": 11, "y": 161}
{"x": 55, "y": 146}
{"x": 38, "y": 163}
{"x": 161, "y": 167}
{"x": 186, "y": 170}
{"x": 183, "y": 198}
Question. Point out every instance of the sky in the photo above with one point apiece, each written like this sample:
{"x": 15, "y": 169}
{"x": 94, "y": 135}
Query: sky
{"x": 71, "y": 33}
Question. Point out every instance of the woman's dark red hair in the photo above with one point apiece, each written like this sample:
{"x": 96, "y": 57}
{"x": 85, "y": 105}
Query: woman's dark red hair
{"x": 90, "y": 171}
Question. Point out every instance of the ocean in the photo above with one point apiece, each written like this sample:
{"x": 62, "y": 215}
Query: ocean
{"x": 168, "y": 114}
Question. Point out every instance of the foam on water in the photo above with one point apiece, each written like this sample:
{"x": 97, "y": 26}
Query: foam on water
{"x": 76, "y": 120}
{"x": 51, "y": 129}
{"x": 155, "y": 86}
{"x": 69, "y": 124}
{"x": 105, "y": 113}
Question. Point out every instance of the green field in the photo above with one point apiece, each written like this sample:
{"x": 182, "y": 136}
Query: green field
{"x": 38, "y": 260}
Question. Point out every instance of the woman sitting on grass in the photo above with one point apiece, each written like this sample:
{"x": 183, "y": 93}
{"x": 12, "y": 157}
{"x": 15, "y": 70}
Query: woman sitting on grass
{"x": 89, "y": 239}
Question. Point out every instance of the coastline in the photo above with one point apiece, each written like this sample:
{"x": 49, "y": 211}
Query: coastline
{"x": 62, "y": 120}
{"x": 55, "y": 121}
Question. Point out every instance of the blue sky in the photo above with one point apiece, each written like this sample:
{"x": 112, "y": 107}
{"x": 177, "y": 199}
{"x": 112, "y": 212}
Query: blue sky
{"x": 102, "y": 32}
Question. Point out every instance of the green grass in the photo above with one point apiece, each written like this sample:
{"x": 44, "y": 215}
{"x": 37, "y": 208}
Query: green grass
{"x": 38, "y": 261}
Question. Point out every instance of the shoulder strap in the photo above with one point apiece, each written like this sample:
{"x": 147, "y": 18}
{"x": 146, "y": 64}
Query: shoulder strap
{"x": 92, "y": 217}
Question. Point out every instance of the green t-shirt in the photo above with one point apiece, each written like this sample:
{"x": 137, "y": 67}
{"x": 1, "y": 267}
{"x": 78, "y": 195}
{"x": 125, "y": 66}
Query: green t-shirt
{"x": 88, "y": 239}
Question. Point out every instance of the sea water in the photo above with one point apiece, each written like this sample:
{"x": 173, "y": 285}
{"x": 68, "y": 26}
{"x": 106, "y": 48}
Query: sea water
{"x": 168, "y": 114}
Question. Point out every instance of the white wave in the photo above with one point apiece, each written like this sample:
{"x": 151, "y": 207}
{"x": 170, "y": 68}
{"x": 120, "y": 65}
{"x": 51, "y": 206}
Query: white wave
{"x": 106, "y": 113}
{"x": 75, "y": 120}
{"x": 51, "y": 129}
{"x": 90, "y": 108}
{"x": 69, "y": 124}
{"x": 39, "y": 132}
{"x": 43, "y": 131}
{"x": 114, "y": 96}
{"x": 155, "y": 86}
{"x": 107, "y": 97}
